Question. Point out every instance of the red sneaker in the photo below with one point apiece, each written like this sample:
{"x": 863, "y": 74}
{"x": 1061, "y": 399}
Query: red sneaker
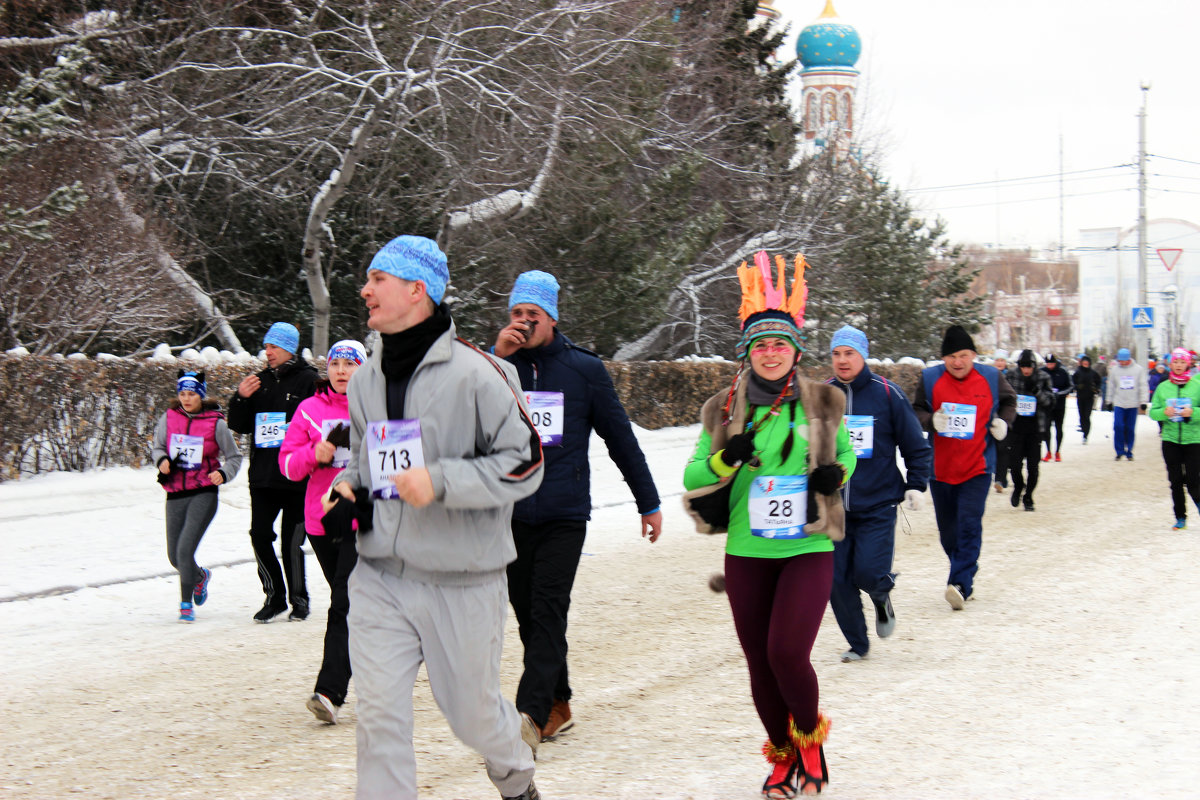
{"x": 1046, "y": 457}
{"x": 1058, "y": 456}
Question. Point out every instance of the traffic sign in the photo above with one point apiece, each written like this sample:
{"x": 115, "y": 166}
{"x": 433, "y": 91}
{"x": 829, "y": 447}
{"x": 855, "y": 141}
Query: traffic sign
{"x": 1169, "y": 256}
{"x": 1143, "y": 316}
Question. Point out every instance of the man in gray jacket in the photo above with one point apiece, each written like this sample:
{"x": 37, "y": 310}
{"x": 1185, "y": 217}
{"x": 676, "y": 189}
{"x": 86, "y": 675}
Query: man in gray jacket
{"x": 1127, "y": 394}
{"x": 441, "y": 439}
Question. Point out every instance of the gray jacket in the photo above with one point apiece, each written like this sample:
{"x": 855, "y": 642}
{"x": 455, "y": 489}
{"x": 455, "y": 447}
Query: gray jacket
{"x": 1126, "y": 398}
{"x": 482, "y": 453}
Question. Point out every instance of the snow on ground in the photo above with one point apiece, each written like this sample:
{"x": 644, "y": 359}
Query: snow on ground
{"x": 1073, "y": 673}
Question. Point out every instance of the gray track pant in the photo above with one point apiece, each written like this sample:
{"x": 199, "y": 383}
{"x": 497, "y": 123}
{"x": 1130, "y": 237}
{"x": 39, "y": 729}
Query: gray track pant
{"x": 458, "y": 631}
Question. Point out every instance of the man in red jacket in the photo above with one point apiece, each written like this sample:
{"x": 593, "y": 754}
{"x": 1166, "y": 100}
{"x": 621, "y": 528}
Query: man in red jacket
{"x": 967, "y": 408}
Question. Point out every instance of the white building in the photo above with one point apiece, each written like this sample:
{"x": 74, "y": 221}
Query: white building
{"x": 1108, "y": 285}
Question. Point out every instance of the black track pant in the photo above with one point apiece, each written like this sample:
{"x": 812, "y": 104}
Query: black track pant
{"x": 1183, "y": 470}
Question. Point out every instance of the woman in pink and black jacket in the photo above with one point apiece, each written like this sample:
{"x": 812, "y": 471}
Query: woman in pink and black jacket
{"x": 195, "y": 453}
{"x": 317, "y": 447}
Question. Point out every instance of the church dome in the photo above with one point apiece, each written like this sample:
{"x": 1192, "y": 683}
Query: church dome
{"x": 828, "y": 42}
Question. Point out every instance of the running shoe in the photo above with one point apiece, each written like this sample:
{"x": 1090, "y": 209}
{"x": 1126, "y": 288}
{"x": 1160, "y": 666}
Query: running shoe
{"x": 200, "y": 590}
{"x": 186, "y": 613}
{"x": 323, "y": 708}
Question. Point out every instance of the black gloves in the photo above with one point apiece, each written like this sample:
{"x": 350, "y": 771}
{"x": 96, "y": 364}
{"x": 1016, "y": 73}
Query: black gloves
{"x": 739, "y": 448}
{"x": 339, "y": 436}
{"x": 337, "y": 522}
{"x": 825, "y": 479}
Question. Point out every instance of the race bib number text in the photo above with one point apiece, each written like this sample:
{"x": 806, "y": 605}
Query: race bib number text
{"x": 393, "y": 446}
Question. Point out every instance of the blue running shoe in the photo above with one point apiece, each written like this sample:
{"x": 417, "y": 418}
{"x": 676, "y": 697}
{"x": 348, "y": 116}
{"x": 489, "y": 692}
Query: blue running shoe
{"x": 1180, "y": 524}
{"x": 200, "y": 591}
{"x": 186, "y": 614}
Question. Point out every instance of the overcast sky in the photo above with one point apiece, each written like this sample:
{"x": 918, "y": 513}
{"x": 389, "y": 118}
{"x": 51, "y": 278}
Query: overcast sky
{"x": 956, "y": 92}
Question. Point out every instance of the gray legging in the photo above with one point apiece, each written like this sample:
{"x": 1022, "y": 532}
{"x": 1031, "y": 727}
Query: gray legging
{"x": 187, "y": 520}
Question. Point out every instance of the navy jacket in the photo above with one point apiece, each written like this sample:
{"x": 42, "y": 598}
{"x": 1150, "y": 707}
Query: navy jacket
{"x": 590, "y": 402}
{"x": 877, "y": 480}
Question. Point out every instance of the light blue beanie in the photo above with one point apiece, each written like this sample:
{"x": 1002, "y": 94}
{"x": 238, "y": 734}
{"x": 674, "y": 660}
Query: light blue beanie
{"x": 415, "y": 258}
{"x": 1123, "y": 354}
{"x": 284, "y": 336}
{"x": 537, "y": 287}
{"x": 847, "y": 336}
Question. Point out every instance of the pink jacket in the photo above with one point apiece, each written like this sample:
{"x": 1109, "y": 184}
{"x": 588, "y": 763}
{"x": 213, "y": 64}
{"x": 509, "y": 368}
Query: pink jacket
{"x": 297, "y": 456}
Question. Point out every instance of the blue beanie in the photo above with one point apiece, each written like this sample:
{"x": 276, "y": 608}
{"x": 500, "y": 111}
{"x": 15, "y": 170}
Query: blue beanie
{"x": 537, "y": 287}
{"x": 192, "y": 382}
{"x": 848, "y": 336}
{"x": 415, "y": 258}
{"x": 285, "y": 336}
{"x": 1123, "y": 354}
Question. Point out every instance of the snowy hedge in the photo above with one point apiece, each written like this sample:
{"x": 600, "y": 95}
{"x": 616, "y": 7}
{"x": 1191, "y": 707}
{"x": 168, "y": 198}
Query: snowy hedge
{"x": 75, "y": 414}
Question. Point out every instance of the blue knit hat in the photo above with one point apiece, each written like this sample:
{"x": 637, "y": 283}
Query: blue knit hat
{"x": 415, "y": 258}
{"x": 1123, "y": 354}
{"x": 192, "y": 382}
{"x": 537, "y": 287}
{"x": 283, "y": 335}
{"x": 349, "y": 349}
{"x": 848, "y": 336}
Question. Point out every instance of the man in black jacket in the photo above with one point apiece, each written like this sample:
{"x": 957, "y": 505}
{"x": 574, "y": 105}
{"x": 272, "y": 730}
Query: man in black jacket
{"x": 1060, "y": 384}
{"x": 1087, "y": 386}
{"x": 1035, "y": 404}
{"x": 570, "y": 393}
{"x": 263, "y": 406}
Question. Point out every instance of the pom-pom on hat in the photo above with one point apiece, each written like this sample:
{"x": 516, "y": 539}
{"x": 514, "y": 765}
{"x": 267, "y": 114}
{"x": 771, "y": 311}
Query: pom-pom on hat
{"x": 1026, "y": 359}
{"x": 192, "y": 382}
{"x": 956, "y": 339}
{"x": 1123, "y": 354}
{"x": 415, "y": 258}
{"x": 537, "y": 287}
{"x": 348, "y": 349}
{"x": 849, "y": 336}
{"x": 284, "y": 336}
{"x": 768, "y": 309}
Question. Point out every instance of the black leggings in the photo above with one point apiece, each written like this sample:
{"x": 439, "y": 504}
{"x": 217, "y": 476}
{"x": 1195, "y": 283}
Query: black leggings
{"x": 1060, "y": 410}
{"x": 1183, "y": 469}
{"x": 1086, "y": 401}
{"x": 1024, "y": 449}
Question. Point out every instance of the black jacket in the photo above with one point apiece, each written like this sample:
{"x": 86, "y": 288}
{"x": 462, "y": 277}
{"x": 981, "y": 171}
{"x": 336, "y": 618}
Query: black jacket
{"x": 1060, "y": 382}
{"x": 1087, "y": 382}
{"x": 590, "y": 402}
{"x": 1038, "y": 386}
{"x": 282, "y": 390}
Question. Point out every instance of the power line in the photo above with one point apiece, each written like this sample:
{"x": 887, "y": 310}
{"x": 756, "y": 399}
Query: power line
{"x": 1029, "y": 199}
{"x": 1180, "y": 160}
{"x": 998, "y": 181}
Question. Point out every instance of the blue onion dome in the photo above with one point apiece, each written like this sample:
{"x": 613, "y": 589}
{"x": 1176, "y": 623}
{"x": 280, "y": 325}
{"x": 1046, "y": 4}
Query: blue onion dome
{"x": 828, "y": 42}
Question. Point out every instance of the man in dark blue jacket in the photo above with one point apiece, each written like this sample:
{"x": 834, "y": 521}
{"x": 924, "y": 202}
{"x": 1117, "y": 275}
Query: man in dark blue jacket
{"x": 880, "y": 420}
{"x": 570, "y": 393}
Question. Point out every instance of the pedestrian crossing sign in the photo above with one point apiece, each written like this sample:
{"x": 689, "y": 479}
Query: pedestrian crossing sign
{"x": 1143, "y": 316}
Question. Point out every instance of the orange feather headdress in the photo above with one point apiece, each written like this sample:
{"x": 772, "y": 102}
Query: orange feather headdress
{"x": 768, "y": 309}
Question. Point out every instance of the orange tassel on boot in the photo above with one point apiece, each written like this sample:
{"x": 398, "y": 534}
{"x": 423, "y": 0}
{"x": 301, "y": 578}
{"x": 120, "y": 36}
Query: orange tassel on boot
{"x": 813, "y": 774}
{"x": 781, "y": 783}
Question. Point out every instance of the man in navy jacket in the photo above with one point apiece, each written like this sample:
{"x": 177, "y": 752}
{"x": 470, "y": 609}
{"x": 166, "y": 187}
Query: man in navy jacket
{"x": 880, "y": 420}
{"x": 570, "y": 394}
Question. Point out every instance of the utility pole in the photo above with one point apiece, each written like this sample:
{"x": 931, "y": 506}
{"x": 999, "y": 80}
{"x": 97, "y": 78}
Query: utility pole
{"x": 1142, "y": 341}
{"x": 1060, "y": 196}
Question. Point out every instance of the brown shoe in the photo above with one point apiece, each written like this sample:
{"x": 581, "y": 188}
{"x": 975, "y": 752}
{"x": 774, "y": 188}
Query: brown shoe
{"x": 558, "y": 721}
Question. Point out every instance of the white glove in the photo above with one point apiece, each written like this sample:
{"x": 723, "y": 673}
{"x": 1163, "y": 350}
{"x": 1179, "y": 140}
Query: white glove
{"x": 912, "y": 500}
{"x": 941, "y": 420}
{"x": 999, "y": 429}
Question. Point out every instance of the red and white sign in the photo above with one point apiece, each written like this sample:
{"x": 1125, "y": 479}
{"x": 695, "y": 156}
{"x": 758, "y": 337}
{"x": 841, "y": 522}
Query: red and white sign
{"x": 1170, "y": 256}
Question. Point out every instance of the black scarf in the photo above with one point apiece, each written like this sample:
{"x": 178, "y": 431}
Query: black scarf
{"x": 403, "y": 351}
{"x": 762, "y": 392}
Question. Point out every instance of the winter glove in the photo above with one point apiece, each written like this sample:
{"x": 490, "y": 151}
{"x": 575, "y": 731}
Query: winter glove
{"x": 912, "y": 500}
{"x": 826, "y": 479}
{"x": 999, "y": 429}
{"x": 339, "y": 435}
{"x": 1106, "y": 407}
{"x": 739, "y": 449}
{"x": 941, "y": 420}
{"x": 338, "y": 521}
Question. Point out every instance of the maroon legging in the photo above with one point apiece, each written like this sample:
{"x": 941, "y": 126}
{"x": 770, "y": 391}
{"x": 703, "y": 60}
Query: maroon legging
{"x": 777, "y": 606}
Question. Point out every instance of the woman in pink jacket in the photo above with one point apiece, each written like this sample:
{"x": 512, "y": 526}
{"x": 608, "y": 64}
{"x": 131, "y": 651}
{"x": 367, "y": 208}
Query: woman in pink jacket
{"x": 317, "y": 447}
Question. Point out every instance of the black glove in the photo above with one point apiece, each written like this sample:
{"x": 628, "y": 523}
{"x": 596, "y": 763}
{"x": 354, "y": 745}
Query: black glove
{"x": 337, "y": 522}
{"x": 739, "y": 448}
{"x": 339, "y": 435}
{"x": 825, "y": 479}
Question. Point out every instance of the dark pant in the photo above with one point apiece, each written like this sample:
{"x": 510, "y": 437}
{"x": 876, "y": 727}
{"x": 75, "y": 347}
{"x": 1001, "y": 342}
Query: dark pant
{"x": 1024, "y": 450}
{"x": 187, "y": 520}
{"x": 1183, "y": 469}
{"x": 862, "y": 562}
{"x": 1124, "y": 428}
{"x": 777, "y": 606}
{"x": 1001, "y": 469}
{"x": 958, "y": 508}
{"x": 337, "y": 559}
{"x": 1056, "y": 418}
{"x": 539, "y": 588}
{"x": 1086, "y": 401}
{"x": 265, "y": 506}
